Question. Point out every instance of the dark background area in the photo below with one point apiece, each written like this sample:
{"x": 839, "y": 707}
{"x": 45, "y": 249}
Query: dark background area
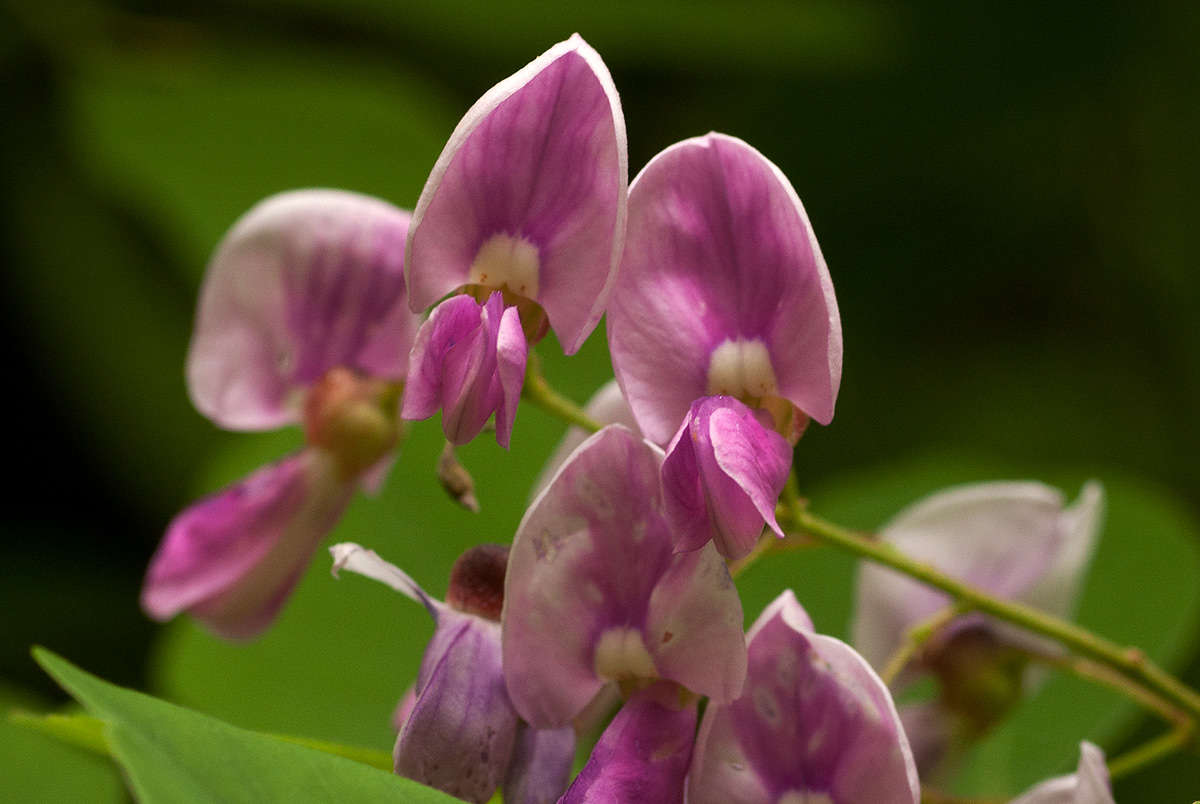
{"x": 1006, "y": 195}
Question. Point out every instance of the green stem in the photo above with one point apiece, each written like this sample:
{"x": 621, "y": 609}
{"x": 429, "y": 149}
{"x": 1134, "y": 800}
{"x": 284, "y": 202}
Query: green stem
{"x": 1129, "y": 662}
{"x": 916, "y": 638}
{"x": 539, "y": 392}
{"x": 1150, "y": 752}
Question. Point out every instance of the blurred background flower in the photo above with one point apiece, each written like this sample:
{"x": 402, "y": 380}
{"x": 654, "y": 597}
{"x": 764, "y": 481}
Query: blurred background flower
{"x": 1005, "y": 196}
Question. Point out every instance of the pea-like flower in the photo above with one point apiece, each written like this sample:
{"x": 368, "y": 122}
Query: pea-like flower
{"x": 723, "y": 293}
{"x": 596, "y": 592}
{"x": 458, "y": 731}
{"x": 1016, "y": 541}
{"x": 523, "y": 215}
{"x": 813, "y": 724}
{"x": 723, "y": 290}
{"x": 1089, "y": 784}
{"x": 302, "y": 319}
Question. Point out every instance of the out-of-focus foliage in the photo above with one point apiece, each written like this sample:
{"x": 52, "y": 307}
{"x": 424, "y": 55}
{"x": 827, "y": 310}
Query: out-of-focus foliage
{"x": 1005, "y": 195}
{"x": 174, "y": 755}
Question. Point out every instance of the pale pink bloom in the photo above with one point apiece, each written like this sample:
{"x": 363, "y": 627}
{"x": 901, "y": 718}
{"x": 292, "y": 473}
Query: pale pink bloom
{"x": 814, "y": 724}
{"x": 302, "y": 318}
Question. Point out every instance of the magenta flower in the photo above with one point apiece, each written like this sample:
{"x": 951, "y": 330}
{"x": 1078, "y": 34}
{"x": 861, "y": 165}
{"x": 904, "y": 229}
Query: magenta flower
{"x": 302, "y": 318}
{"x": 460, "y": 730}
{"x": 1017, "y": 541}
{"x": 470, "y": 363}
{"x": 643, "y": 755}
{"x": 723, "y": 290}
{"x": 723, "y": 475}
{"x": 1088, "y": 785}
{"x": 814, "y": 724}
{"x": 596, "y": 594}
{"x": 528, "y": 199}
{"x": 723, "y": 293}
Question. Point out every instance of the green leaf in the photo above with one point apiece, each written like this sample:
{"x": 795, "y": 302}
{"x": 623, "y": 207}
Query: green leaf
{"x": 35, "y": 768}
{"x": 1141, "y": 590}
{"x": 173, "y": 754}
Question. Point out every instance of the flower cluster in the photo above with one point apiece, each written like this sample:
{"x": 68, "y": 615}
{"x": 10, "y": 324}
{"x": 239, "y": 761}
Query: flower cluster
{"x": 726, "y": 341}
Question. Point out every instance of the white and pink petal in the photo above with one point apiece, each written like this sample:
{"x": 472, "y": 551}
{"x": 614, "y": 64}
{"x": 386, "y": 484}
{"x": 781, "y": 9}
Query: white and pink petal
{"x": 304, "y": 282}
{"x": 530, "y": 194}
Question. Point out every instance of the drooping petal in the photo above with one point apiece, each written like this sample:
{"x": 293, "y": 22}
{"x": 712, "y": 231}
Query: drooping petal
{"x": 643, "y": 755}
{"x": 607, "y": 406}
{"x": 814, "y": 722}
{"x": 722, "y": 477}
{"x": 469, "y": 361}
{"x": 460, "y": 733}
{"x": 722, "y": 289}
{"x": 368, "y": 563}
{"x": 530, "y": 193}
{"x": 594, "y": 588}
{"x": 304, "y": 282}
{"x": 232, "y": 559}
{"x": 541, "y": 765}
{"x": 1088, "y": 785}
{"x": 1010, "y": 539}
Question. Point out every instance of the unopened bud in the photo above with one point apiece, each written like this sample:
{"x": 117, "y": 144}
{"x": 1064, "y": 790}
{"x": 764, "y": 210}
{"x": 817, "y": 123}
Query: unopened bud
{"x": 477, "y": 581}
{"x": 456, "y": 480}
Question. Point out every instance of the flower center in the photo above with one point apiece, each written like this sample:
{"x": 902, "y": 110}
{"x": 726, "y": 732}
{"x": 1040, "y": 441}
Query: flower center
{"x": 742, "y": 369}
{"x": 510, "y": 265}
{"x": 505, "y": 262}
{"x": 621, "y": 655}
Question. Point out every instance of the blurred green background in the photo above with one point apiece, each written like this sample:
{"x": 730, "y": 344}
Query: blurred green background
{"x": 1005, "y": 194}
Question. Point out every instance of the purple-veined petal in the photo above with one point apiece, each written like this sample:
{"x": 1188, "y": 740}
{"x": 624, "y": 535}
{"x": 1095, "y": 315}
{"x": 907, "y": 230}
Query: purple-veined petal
{"x": 457, "y": 726}
{"x": 530, "y": 192}
{"x": 813, "y": 720}
{"x": 460, "y": 733}
{"x": 722, "y": 477}
{"x": 607, "y": 406}
{"x": 720, "y": 260}
{"x": 594, "y": 587}
{"x": 540, "y": 766}
{"x": 1088, "y": 785}
{"x": 304, "y": 282}
{"x": 1008, "y": 538}
{"x": 232, "y": 559}
{"x": 643, "y": 755}
{"x": 468, "y": 360}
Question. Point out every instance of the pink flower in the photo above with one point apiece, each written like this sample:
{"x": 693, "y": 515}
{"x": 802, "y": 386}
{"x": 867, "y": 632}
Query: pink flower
{"x": 723, "y": 290}
{"x": 302, "y": 319}
{"x": 723, "y": 294}
{"x": 596, "y": 592}
{"x": 527, "y": 199}
{"x": 1017, "y": 541}
{"x": 813, "y": 724}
